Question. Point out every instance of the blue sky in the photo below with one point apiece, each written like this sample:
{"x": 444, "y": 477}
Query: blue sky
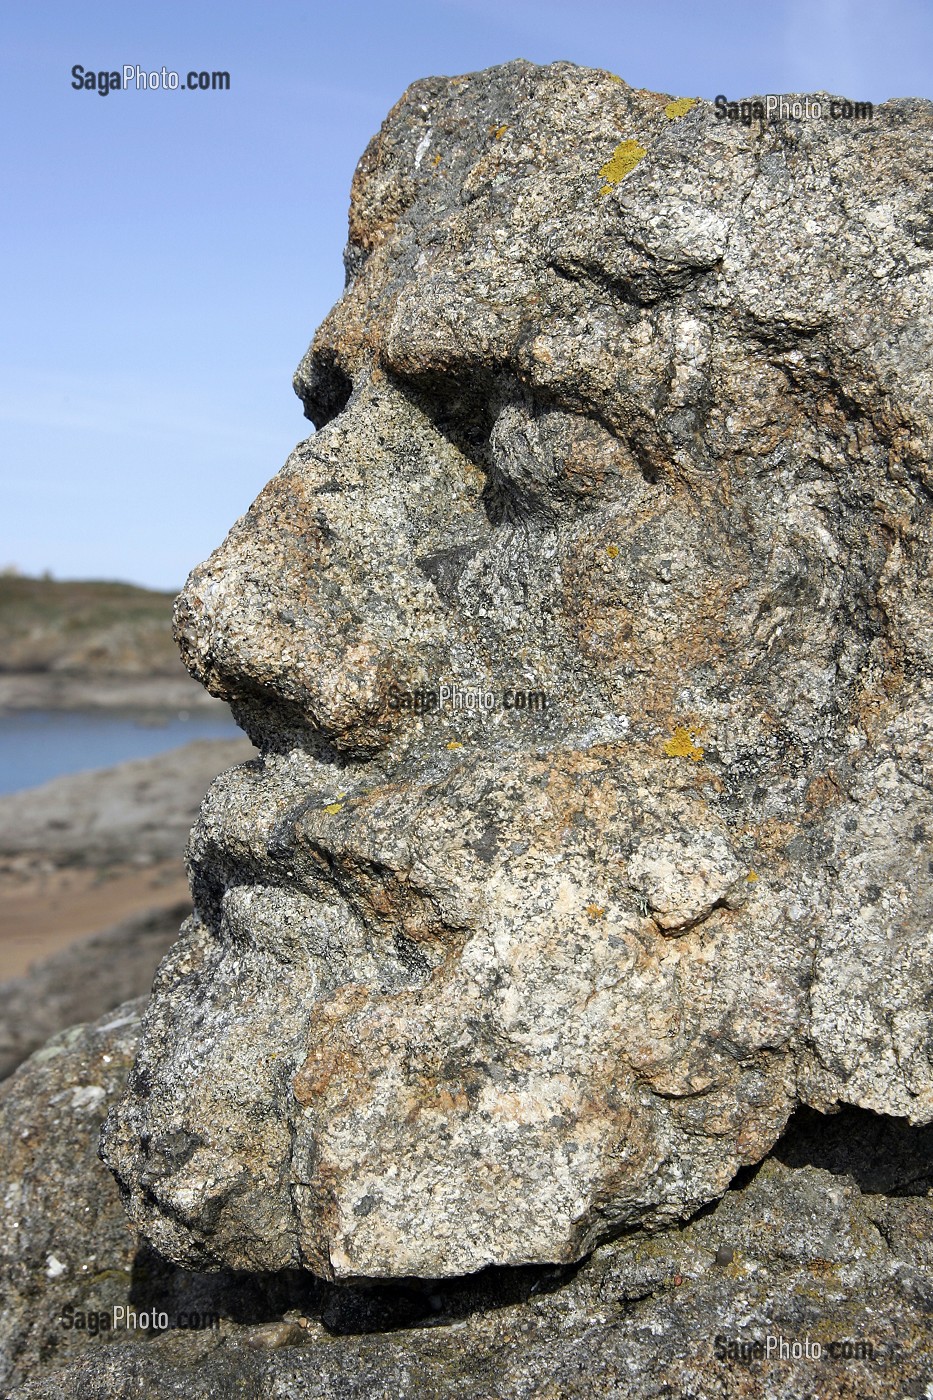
{"x": 168, "y": 255}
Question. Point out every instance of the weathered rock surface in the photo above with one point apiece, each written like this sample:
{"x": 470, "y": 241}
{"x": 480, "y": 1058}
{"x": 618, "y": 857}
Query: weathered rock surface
{"x": 827, "y": 1244}
{"x": 62, "y": 1238}
{"x": 630, "y": 408}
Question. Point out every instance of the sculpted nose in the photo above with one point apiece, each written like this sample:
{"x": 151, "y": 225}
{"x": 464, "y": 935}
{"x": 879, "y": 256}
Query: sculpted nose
{"x": 314, "y": 607}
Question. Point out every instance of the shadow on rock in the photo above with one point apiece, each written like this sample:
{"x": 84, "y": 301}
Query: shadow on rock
{"x": 884, "y": 1155}
{"x": 251, "y": 1299}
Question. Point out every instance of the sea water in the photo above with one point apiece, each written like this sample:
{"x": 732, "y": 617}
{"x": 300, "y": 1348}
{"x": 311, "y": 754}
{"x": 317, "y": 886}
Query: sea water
{"x": 37, "y": 745}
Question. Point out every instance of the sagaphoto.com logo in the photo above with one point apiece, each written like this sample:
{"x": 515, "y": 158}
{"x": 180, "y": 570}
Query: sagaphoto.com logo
{"x": 778, "y": 107}
{"x": 131, "y": 77}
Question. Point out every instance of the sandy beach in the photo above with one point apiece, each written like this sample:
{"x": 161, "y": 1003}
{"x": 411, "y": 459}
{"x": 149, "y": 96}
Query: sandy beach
{"x": 42, "y": 912}
{"x": 85, "y": 852}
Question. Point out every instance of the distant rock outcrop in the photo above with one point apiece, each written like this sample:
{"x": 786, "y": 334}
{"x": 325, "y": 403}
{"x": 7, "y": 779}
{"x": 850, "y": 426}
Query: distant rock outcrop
{"x": 588, "y": 649}
{"x": 87, "y": 644}
{"x": 84, "y": 626}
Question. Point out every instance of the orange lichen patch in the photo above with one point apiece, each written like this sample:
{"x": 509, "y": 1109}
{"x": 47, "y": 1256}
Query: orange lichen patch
{"x": 578, "y": 789}
{"x": 771, "y": 839}
{"x": 354, "y": 335}
{"x": 447, "y": 1102}
{"x": 596, "y": 911}
{"x": 689, "y": 629}
{"x": 325, "y": 1066}
{"x": 382, "y": 903}
{"x": 681, "y": 745}
{"x": 679, "y": 107}
{"x": 871, "y": 708}
{"x": 612, "y": 550}
{"x": 823, "y": 792}
{"x": 376, "y": 204}
{"x": 332, "y": 1067}
{"x": 622, "y": 162}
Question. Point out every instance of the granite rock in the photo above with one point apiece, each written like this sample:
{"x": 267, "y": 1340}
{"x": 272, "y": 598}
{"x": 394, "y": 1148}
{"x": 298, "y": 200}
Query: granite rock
{"x": 63, "y": 1238}
{"x": 825, "y": 1245}
{"x": 586, "y": 646}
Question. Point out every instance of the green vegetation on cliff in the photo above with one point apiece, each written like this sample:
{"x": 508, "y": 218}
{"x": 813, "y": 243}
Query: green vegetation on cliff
{"x": 85, "y": 627}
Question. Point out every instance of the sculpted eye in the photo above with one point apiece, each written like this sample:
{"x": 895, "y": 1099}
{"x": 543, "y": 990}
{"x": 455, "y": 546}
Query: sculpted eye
{"x": 323, "y": 386}
{"x": 462, "y": 405}
{"x": 541, "y": 458}
{"x": 549, "y": 464}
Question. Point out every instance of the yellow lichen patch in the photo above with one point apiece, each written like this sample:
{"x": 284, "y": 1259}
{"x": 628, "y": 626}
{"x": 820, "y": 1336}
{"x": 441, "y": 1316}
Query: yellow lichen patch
{"x": 497, "y": 132}
{"x": 437, "y": 160}
{"x": 679, "y": 107}
{"x": 454, "y": 744}
{"x": 681, "y": 745}
{"x": 622, "y": 162}
{"x": 595, "y": 911}
{"x": 333, "y": 808}
{"x": 614, "y": 78}
{"x": 752, "y": 876}
{"x": 612, "y": 550}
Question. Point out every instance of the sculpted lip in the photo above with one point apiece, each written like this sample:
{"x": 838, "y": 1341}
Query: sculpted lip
{"x": 318, "y": 849}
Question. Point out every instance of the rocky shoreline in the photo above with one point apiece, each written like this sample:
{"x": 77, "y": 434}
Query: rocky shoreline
{"x": 137, "y": 811}
{"x": 90, "y": 645}
{"x": 56, "y": 690}
{"x": 75, "y": 852}
{"x": 84, "y": 981}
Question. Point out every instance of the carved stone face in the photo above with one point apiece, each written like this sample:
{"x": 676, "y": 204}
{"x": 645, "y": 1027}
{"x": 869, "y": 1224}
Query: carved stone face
{"x": 561, "y": 643}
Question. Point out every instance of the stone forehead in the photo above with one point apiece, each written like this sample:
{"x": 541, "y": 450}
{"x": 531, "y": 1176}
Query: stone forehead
{"x": 492, "y": 206}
